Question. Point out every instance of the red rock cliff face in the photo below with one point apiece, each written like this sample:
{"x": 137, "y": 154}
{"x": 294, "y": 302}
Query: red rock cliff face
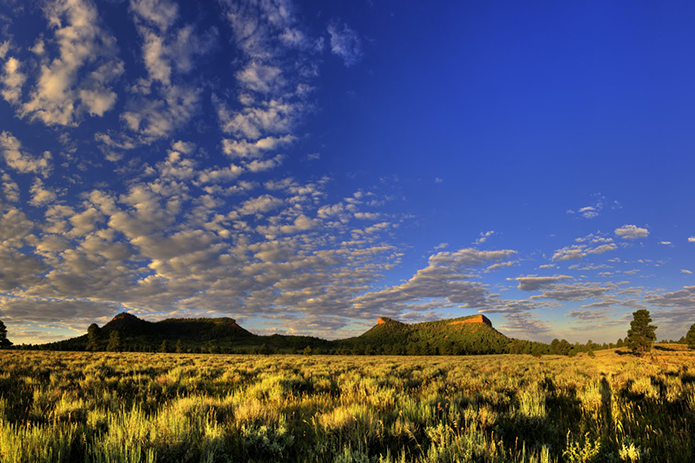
{"x": 381, "y": 321}
{"x": 476, "y": 319}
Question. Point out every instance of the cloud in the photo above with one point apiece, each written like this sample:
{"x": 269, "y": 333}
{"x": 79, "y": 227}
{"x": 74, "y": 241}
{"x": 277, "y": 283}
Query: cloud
{"x": 665, "y": 243}
{"x": 156, "y": 118}
{"x": 10, "y": 188}
{"x": 593, "y": 211}
{"x": 169, "y": 96}
{"x": 686, "y": 272}
{"x": 78, "y": 80}
{"x": 523, "y": 324}
{"x": 534, "y": 282}
{"x": 691, "y": 239}
{"x": 275, "y": 116}
{"x": 631, "y": 232}
{"x": 446, "y": 277}
{"x": 574, "y": 292}
{"x": 12, "y": 81}
{"x": 254, "y": 149}
{"x": 483, "y": 237}
{"x": 161, "y": 13}
{"x": 55, "y": 311}
{"x": 610, "y": 302}
{"x": 569, "y": 253}
{"x": 578, "y": 251}
{"x": 40, "y": 195}
{"x": 683, "y": 298}
{"x": 14, "y": 228}
{"x": 345, "y": 43}
{"x": 588, "y": 212}
{"x": 19, "y": 270}
{"x": 21, "y": 161}
{"x": 587, "y": 315}
{"x": 261, "y": 78}
{"x": 274, "y": 80}
{"x": 260, "y": 205}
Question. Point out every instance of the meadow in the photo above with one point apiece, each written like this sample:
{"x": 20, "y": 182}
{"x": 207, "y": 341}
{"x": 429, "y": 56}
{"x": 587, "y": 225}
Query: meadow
{"x": 147, "y": 407}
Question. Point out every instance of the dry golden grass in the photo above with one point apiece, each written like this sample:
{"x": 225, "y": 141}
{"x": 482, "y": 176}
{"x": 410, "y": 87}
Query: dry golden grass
{"x": 62, "y": 406}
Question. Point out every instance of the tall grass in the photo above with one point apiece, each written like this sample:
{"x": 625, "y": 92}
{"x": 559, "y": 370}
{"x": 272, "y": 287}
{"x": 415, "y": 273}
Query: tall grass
{"x": 100, "y": 407}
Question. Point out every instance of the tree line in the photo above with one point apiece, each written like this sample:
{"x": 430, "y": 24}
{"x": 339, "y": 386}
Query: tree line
{"x": 639, "y": 340}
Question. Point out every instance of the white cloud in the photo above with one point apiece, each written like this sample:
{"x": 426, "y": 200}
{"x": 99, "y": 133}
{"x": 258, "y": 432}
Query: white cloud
{"x": 85, "y": 222}
{"x": 686, "y": 272}
{"x": 443, "y": 278}
{"x": 345, "y": 43}
{"x": 277, "y": 70}
{"x": 40, "y": 195}
{"x": 14, "y": 227}
{"x": 252, "y": 149}
{"x": 264, "y": 165}
{"x": 483, "y": 237}
{"x": 602, "y": 248}
{"x": 162, "y": 13}
{"x": 534, "y": 282}
{"x": 523, "y": 324}
{"x": 12, "y": 81}
{"x": 691, "y": 239}
{"x": 259, "y": 77}
{"x": 21, "y": 161}
{"x": 590, "y": 212}
{"x": 631, "y": 232}
{"x": 275, "y": 116}
{"x": 220, "y": 175}
{"x": 10, "y": 188}
{"x": 157, "y": 118}
{"x": 574, "y": 292}
{"x": 569, "y": 253}
{"x": 579, "y": 251}
{"x": 260, "y": 205}
{"x": 78, "y": 80}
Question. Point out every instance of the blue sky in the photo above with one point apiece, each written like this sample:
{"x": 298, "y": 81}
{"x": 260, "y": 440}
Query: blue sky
{"x": 306, "y": 167}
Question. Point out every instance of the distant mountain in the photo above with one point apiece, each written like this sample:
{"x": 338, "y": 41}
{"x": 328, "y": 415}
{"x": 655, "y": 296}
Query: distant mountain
{"x": 194, "y": 334}
{"x": 201, "y": 329}
{"x": 464, "y": 335}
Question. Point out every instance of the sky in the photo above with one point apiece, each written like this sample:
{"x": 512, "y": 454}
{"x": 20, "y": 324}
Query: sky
{"x": 307, "y": 167}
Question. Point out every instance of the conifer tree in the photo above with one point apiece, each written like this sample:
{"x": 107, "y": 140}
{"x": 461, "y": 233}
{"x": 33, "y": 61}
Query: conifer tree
{"x": 4, "y": 342}
{"x": 115, "y": 344}
{"x": 93, "y": 337}
{"x": 641, "y": 335}
{"x": 690, "y": 337}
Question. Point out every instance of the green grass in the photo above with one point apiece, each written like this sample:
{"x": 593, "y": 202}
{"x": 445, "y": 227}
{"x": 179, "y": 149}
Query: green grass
{"x": 136, "y": 407}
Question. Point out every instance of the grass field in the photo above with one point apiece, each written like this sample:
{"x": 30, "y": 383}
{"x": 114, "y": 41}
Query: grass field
{"x": 101, "y": 407}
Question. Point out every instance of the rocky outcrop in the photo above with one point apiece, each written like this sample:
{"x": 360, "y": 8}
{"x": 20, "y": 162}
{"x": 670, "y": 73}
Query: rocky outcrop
{"x": 474, "y": 319}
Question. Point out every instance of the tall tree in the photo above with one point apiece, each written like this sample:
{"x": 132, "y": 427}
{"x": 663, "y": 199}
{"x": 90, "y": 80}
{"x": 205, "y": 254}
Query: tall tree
{"x": 641, "y": 335}
{"x": 690, "y": 337}
{"x": 93, "y": 337}
{"x": 115, "y": 344}
{"x": 4, "y": 342}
